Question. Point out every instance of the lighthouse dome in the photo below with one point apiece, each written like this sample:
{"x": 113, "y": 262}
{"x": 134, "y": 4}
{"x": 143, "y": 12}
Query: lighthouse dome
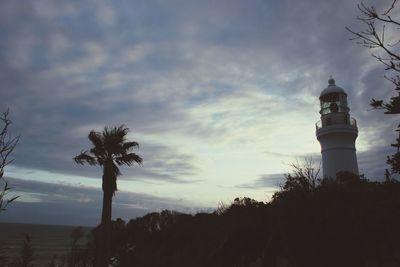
{"x": 332, "y": 88}
{"x": 333, "y": 99}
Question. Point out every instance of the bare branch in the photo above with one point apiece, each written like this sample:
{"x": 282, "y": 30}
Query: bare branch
{"x": 390, "y": 9}
{"x": 7, "y": 146}
{"x": 389, "y": 56}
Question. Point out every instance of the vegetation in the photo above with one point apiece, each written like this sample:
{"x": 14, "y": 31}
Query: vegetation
{"x": 25, "y": 259}
{"x": 7, "y": 146}
{"x": 344, "y": 222}
{"x": 347, "y": 221}
{"x": 382, "y": 35}
{"x": 110, "y": 150}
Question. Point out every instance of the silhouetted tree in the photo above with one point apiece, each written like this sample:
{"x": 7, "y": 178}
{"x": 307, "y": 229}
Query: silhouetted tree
{"x": 303, "y": 178}
{"x": 7, "y": 145}
{"x": 382, "y": 33}
{"x": 110, "y": 150}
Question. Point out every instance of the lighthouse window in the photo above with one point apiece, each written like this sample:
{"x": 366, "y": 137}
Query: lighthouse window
{"x": 330, "y": 107}
{"x": 333, "y": 107}
{"x": 331, "y": 103}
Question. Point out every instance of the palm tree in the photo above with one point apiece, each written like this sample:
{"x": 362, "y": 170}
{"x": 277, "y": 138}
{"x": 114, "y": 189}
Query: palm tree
{"x": 110, "y": 150}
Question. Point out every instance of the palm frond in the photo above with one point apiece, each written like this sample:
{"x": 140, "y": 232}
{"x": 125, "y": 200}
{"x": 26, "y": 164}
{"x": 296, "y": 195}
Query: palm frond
{"x": 129, "y": 145}
{"x": 110, "y": 150}
{"x": 121, "y": 132}
{"x": 84, "y": 157}
{"x": 114, "y": 138}
{"x": 129, "y": 159}
{"x": 97, "y": 140}
{"x": 116, "y": 132}
{"x": 100, "y": 154}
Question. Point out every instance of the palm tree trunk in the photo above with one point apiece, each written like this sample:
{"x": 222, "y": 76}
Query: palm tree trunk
{"x": 103, "y": 253}
{"x": 106, "y": 229}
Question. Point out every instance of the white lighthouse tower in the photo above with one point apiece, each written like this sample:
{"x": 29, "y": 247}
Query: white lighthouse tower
{"x": 336, "y": 132}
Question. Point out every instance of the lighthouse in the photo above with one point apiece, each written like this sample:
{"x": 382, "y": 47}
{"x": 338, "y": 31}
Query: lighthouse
{"x": 336, "y": 132}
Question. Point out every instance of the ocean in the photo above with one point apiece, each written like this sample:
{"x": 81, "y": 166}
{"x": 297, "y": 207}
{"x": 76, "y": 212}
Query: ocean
{"x": 47, "y": 240}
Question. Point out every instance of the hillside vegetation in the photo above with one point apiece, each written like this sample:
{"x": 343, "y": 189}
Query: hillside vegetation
{"x": 348, "y": 221}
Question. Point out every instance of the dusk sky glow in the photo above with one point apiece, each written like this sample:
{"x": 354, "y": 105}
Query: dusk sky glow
{"x": 221, "y": 95}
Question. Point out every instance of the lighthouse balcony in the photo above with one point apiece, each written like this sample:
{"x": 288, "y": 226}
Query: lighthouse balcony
{"x": 329, "y": 125}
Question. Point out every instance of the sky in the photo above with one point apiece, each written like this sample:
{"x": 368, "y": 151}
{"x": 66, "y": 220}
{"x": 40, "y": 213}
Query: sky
{"x": 222, "y": 97}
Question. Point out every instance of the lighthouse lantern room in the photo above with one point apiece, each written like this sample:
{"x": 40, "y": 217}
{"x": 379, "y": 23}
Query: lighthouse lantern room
{"x": 336, "y": 132}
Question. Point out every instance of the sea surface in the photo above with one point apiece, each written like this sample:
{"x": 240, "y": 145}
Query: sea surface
{"x": 47, "y": 240}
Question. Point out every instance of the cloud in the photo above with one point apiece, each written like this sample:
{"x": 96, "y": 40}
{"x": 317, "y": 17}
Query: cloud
{"x": 273, "y": 181}
{"x": 74, "y": 204}
{"x": 161, "y": 163}
{"x": 105, "y": 13}
{"x": 372, "y": 162}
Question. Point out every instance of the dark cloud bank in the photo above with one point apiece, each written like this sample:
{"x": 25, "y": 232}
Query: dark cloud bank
{"x": 79, "y": 205}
